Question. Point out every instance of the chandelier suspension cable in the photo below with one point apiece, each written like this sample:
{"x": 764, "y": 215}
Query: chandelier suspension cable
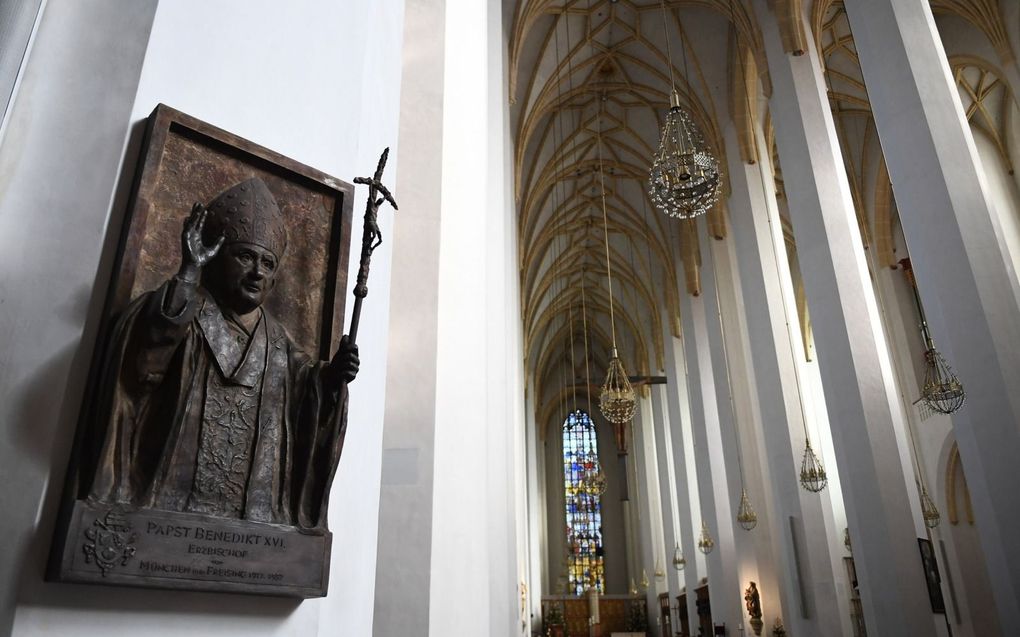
{"x": 564, "y": 244}
{"x": 715, "y": 281}
{"x": 705, "y": 540}
{"x": 602, "y": 187}
{"x": 929, "y": 511}
{"x": 790, "y": 336}
{"x": 726, "y": 365}
{"x": 812, "y": 475}
{"x": 746, "y": 516}
{"x": 684, "y": 178}
{"x": 584, "y": 319}
{"x": 605, "y": 224}
{"x": 669, "y": 52}
{"x": 617, "y": 400}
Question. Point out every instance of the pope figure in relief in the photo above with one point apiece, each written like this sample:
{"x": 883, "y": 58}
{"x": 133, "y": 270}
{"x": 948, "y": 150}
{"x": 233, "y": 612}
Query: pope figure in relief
{"x": 208, "y": 404}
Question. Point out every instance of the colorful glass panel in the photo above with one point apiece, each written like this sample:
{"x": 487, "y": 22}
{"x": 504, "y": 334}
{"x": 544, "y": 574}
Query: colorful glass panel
{"x": 585, "y": 567}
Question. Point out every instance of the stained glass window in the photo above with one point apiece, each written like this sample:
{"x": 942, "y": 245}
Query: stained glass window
{"x": 583, "y": 484}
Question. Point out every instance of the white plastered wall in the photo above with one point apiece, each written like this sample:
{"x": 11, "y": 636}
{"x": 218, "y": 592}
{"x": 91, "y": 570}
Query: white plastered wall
{"x": 315, "y": 80}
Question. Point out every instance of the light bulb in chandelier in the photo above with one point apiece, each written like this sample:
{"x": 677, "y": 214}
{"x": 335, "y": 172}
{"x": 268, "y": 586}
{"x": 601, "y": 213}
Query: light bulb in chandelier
{"x": 812, "y": 474}
{"x": 929, "y": 511}
{"x": 678, "y": 559}
{"x": 942, "y": 390}
{"x": 705, "y": 542}
{"x": 617, "y": 401}
{"x": 746, "y": 517}
{"x": 685, "y": 177}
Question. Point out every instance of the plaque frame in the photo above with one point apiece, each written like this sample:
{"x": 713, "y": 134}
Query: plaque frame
{"x": 327, "y": 209}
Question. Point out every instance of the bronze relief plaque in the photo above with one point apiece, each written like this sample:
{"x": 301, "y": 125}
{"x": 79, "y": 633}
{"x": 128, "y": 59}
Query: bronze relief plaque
{"x": 216, "y": 408}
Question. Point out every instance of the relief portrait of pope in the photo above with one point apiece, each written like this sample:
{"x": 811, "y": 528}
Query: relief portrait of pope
{"x": 207, "y": 404}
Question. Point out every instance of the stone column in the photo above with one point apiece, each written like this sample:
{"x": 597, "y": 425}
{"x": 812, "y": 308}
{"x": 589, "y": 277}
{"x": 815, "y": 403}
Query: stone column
{"x": 867, "y": 424}
{"x": 964, "y": 274}
{"x": 404, "y": 553}
{"x": 649, "y": 504}
{"x": 667, "y": 491}
{"x": 681, "y": 438}
{"x": 716, "y": 491}
{"x": 757, "y": 237}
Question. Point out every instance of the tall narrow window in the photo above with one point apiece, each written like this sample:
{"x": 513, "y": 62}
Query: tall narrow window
{"x": 581, "y": 470}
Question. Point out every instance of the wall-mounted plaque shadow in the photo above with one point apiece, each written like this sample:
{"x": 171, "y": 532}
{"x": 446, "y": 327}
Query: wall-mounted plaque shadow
{"x": 216, "y": 407}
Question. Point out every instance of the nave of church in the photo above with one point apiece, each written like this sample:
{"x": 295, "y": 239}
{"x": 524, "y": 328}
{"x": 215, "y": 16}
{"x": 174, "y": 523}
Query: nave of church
{"x": 697, "y": 317}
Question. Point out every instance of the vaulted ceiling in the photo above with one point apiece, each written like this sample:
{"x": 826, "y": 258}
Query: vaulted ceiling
{"x": 589, "y": 83}
{"x": 590, "y": 86}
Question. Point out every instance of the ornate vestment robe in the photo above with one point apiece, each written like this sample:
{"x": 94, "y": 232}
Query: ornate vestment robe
{"x": 202, "y": 416}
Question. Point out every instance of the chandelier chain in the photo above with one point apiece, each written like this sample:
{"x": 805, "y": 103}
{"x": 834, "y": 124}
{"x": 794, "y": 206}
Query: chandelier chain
{"x": 812, "y": 474}
{"x": 558, "y": 139}
{"x": 726, "y": 363}
{"x": 605, "y": 228}
{"x": 584, "y": 318}
{"x": 669, "y": 52}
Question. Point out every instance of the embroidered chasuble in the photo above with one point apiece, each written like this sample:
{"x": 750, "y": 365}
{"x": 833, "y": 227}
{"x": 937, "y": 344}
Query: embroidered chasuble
{"x": 241, "y": 423}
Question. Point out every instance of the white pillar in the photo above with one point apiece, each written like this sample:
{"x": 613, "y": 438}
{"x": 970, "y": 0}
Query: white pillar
{"x": 538, "y": 551}
{"x": 757, "y": 239}
{"x": 667, "y": 493}
{"x": 649, "y": 509}
{"x": 717, "y": 501}
{"x": 404, "y": 553}
{"x": 882, "y": 510}
{"x": 963, "y": 272}
{"x": 764, "y": 569}
{"x": 688, "y": 502}
{"x": 473, "y": 582}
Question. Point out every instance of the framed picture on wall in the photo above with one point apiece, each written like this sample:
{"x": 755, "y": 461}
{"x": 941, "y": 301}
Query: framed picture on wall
{"x": 931, "y": 576}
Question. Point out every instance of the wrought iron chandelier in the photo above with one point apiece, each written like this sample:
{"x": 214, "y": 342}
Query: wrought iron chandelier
{"x": 678, "y": 558}
{"x": 617, "y": 401}
{"x": 812, "y": 473}
{"x": 746, "y": 517}
{"x": 684, "y": 180}
{"x": 929, "y": 511}
{"x": 705, "y": 542}
{"x": 942, "y": 391}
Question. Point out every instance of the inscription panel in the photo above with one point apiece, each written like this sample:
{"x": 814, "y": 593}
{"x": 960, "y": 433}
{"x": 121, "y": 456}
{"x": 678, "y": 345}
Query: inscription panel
{"x": 160, "y": 549}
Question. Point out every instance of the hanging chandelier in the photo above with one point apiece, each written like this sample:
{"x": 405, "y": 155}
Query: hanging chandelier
{"x": 678, "y": 558}
{"x": 617, "y": 401}
{"x": 746, "y": 517}
{"x": 929, "y": 511}
{"x": 684, "y": 180}
{"x": 942, "y": 391}
{"x": 812, "y": 474}
{"x": 705, "y": 542}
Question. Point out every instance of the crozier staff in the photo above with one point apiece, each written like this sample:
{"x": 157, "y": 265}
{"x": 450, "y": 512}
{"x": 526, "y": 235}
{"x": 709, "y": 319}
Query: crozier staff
{"x": 209, "y": 405}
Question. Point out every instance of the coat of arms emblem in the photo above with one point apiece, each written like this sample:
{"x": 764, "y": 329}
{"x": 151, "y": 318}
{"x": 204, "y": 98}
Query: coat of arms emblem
{"x": 110, "y": 542}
